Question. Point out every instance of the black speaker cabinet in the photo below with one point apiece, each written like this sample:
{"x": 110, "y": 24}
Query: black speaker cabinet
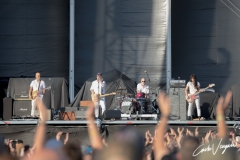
{"x": 22, "y": 108}
{"x": 112, "y": 114}
{"x": 7, "y": 108}
{"x": 178, "y": 104}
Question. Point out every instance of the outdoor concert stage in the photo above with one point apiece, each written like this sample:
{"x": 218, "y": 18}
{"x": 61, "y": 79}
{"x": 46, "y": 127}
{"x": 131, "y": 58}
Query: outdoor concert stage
{"x": 116, "y": 122}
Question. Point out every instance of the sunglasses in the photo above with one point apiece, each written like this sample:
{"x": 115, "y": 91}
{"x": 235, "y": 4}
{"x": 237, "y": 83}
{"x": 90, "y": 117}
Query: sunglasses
{"x": 143, "y": 81}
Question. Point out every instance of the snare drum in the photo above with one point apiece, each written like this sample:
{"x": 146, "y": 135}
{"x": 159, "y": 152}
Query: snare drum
{"x": 140, "y": 95}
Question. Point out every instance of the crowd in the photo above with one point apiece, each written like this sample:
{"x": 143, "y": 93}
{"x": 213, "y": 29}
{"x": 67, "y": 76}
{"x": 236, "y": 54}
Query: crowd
{"x": 128, "y": 144}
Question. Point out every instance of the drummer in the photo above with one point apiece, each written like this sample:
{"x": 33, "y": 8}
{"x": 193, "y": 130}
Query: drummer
{"x": 143, "y": 87}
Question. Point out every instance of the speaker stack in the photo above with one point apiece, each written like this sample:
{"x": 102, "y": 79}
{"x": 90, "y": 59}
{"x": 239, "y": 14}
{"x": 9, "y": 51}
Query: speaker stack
{"x": 177, "y": 100}
{"x": 22, "y": 108}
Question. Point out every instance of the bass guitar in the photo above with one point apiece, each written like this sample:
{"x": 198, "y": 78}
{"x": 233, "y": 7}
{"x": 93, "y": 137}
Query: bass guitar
{"x": 96, "y": 97}
{"x": 191, "y": 97}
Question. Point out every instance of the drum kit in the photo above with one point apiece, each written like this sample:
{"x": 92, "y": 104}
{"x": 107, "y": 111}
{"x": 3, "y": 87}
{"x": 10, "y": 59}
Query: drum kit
{"x": 139, "y": 103}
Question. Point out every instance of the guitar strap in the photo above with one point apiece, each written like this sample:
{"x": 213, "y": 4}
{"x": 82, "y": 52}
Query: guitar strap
{"x": 39, "y": 85}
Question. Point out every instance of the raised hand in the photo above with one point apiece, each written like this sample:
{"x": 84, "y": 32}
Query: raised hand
{"x": 90, "y": 112}
{"x": 207, "y": 136}
{"x": 223, "y": 103}
{"x": 147, "y": 138}
{"x": 66, "y": 138}
{"x": 180, "y": 131}
{"x": 58, "y": 136}
{"x": 172, "y": 132}
{"x": 190, "y": 133}
{"x": 196, "y": 132}
{"x": 221, "y": 107}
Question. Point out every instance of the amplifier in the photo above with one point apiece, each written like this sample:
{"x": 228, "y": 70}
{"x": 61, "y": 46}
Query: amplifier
{"x": 81, "y": 113}
{"x": 177, "y": 83}
{"x": 22, "y": 108}
{"x": 21, "y": 97}
{"x": 178, "y": 104}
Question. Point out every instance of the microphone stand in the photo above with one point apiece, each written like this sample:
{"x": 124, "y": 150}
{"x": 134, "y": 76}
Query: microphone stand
{"x": 119, "y": 94}
{"x": 147, "y": 76}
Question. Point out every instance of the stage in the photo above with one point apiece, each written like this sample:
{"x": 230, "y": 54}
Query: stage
{"x": 115, "y": 122}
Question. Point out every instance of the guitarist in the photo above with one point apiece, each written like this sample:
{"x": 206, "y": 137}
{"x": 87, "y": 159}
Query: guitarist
{"x": 98, "y": 88}
{"x": 192, "y": 87}
{"x": 37, "y": 89}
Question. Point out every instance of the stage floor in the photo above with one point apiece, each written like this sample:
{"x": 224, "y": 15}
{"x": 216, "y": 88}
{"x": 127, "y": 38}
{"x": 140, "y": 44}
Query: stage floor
{"x": 114, "y": 122}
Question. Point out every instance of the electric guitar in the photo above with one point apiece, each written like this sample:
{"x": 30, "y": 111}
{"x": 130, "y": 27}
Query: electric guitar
{"x": 35, "y": 93}
{"x": 191, "y": 97}
{"x": 96, "y": 97}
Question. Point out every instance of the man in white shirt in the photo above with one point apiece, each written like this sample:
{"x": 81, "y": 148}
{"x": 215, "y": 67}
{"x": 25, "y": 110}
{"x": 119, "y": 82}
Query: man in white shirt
{"x": 142, "y": 96}
{"x": 98, "y": 88}
{"x": 37, "y": 90}
{"x": 143, "y": 87}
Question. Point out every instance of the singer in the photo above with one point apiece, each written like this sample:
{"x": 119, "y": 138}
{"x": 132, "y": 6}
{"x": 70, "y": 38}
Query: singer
{"x": 98, "y": 88}
{"x": 37, "y": 89}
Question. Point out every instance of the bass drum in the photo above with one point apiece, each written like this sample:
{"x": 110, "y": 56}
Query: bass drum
{"x": 126, "y": 105}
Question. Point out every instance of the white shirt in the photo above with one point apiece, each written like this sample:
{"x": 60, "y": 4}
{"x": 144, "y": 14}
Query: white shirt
{"x": 99, "y": 88}
{"x": 143, "y": 89}
{"x": 191, "y": 87}
{"x": 34, "y": 84}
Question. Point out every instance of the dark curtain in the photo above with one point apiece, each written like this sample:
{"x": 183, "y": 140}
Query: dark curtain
{"x": 55, "y": 97}
{"x": 114, "y": 80}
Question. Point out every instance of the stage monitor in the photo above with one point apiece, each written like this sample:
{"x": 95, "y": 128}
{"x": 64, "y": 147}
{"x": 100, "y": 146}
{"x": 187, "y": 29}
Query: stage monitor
{"x": 177, "y": 83}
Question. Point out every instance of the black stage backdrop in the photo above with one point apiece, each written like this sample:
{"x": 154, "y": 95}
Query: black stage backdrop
{"x": 26, "y": 133}
{"x": 127, "y": 35}
{"x": 56, "y": 97}
{"x": 34, "y": 36}
{"x": 205, "y": 41}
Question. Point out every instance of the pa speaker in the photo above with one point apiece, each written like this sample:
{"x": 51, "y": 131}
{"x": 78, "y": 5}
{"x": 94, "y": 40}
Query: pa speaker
{"x": 178, "y": 104}
{"x": 7, "y": 108}
{"x": 112, "y": 114}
